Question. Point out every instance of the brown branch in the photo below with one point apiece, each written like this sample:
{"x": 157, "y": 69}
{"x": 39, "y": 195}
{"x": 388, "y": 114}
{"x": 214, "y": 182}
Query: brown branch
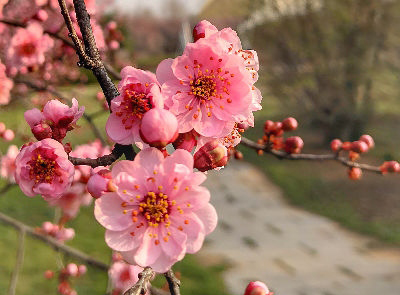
{"x": 59, "y": 95}
{"x": 173, "y": 282}
{"x": 18, "y": 263}
{"x": 142, "y": 284}
{"x": 53, "y": 243}
{"x": 106, "y": 160}
{"x": 311, "y": 157}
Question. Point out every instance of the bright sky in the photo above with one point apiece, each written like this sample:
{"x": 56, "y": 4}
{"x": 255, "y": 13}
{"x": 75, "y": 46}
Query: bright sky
{"x": 191, "y": 6}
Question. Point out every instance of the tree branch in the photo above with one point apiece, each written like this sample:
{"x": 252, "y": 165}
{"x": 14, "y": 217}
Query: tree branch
{"x": 173, "y": 282}
{"x": 141, "y": 285}
{"x": 53, "y": 243}
{"x": 311, "y": 157}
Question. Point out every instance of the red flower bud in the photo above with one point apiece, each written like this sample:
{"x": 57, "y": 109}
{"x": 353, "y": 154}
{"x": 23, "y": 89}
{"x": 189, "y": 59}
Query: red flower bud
{"x": 390, "y": 167}
{"x": 256, "y": 288}
{"x": 210, "y": 156}
{"x": 203, "y": 29}
{"x": 186, "y": 141}
{"x": 289, "y": 124}
{"x": 336, "y": 145}
{"x": 359, "y": 147}
{"x": 293, "y": 145}
{"x": 355, "y": 173}
{"x": 346, "y": 145}
{"x": 368, "y": 140}
{"x": 99, "y": 183}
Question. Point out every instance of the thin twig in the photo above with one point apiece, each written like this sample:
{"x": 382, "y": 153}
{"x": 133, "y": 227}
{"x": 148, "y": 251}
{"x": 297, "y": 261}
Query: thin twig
{"x": 18, "y": 263}
{"x": 173, "y": 282}
{"x": 142, "y": 284}
{"x": 53, "y": 243}
{"x": 311, "y": 157}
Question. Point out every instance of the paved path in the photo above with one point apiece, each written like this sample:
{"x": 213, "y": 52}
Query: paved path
{"x": 293, "y": 251}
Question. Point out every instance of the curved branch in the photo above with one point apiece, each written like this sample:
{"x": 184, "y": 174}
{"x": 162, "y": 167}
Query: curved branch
{"x": 173, "y": 282}
{"x": 52, "y": 242}
{"x": 311, "y": 157}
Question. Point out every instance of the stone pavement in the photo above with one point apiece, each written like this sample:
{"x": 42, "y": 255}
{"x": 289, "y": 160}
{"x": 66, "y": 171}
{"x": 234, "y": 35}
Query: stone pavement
{"x": 293, "y": 251}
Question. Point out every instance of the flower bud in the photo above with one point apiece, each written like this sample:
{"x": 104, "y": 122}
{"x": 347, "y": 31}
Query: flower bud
{"x": 336, "y": 145}
{"x": 390, "y": 167}
{"x": 99, "y": 183}
{"x": 355, "y": 173}
{"x": 82, "y": 269}
{"x": 48, "y": 274}
{"x": 203, "y": 29}
{"x": 72, "y": 269}
{"x": 256, "y": 288}
{"x": 2, "y": 127}
{"x": 8, "y": 135}
{"x": 186, "y": 141}
{"x": 368, "y": 140}
{"x": 346, "y": 145}
{"x": 293, "y": 145}
{"x": 42, "y": 131}
{"x": 359, "y": 147}
{"x": 210, "y": 156}
{"x": 289, "y": 124}
{"x": 158, "y": 127}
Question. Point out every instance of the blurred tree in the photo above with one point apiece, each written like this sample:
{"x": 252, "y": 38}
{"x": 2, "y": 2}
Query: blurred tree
{"x": 320, "y": 58}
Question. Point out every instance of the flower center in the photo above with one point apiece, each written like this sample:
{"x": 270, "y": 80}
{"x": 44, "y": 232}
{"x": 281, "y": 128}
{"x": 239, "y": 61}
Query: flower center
{"x": 27, "y": 49}
{"x": 155, "y": 208}
{"x": 135, "y": 103}
{"x": 204, "y": 87}
{"x": 42, "y": 169}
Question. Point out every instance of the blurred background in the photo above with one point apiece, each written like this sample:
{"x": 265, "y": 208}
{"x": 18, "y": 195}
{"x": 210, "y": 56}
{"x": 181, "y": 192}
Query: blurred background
{"x": 333, "y": 65}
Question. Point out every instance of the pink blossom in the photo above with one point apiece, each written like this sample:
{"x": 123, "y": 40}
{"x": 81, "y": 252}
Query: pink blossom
{"x": 43, "y": 168}
{"x": 6, "y": 85}
{"x": 159, "y": 211}
{"x": 55, "y": 120}
{"x": 28, "y": 46}
{"x": 208, "y": 89}
{"x": 123, "y": 275}
{"x": 203, "y": 29}
{"x": 230, "y": 43}
{"x": 7, "y": 169}
{"x": 139, "y": 92}
{"x": 158, "y": 127}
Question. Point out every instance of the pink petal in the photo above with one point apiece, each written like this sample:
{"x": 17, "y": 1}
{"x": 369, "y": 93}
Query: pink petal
{"x": 194, "y": 231}
{"x": 175, "y": 247}
{"x": 148, "y": 251}
{"x": 117, "y": 132}
{"x": 164, "y": 71}
{"x": 125, "y": 240}
{"x": 209, "y": 217}
{"x": 109, "y": 212}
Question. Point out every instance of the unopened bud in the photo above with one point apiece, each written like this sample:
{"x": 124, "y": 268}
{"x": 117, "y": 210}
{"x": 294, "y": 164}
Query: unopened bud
{"x": 289, "y": 124}
{"x": 390, "y": 167}
{"x": 42, "y": 131}
{"x": 368, "y": 140}
{"x": 293, "y": 145}
{"x": 158, "y": 127}
{"x": 210, "y": 156}
{"x": 99, "y": 183}
{"x": 8, "y": 135}
{"x": 336, "y": 145}
{"x": 48, "y": 274}
{"x": 359, "y": 147}
{"x": 256, "y": 288}
{"x": 355, "y": 173}
{"x": 72, "y": 269}
{"x": 186, "y": 141}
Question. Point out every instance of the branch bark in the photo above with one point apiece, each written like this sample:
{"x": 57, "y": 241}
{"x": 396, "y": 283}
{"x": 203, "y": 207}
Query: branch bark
{"x": 173, "y": 282}
{"x": 310, "y": 157}
{"x": 142, "y": 284}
